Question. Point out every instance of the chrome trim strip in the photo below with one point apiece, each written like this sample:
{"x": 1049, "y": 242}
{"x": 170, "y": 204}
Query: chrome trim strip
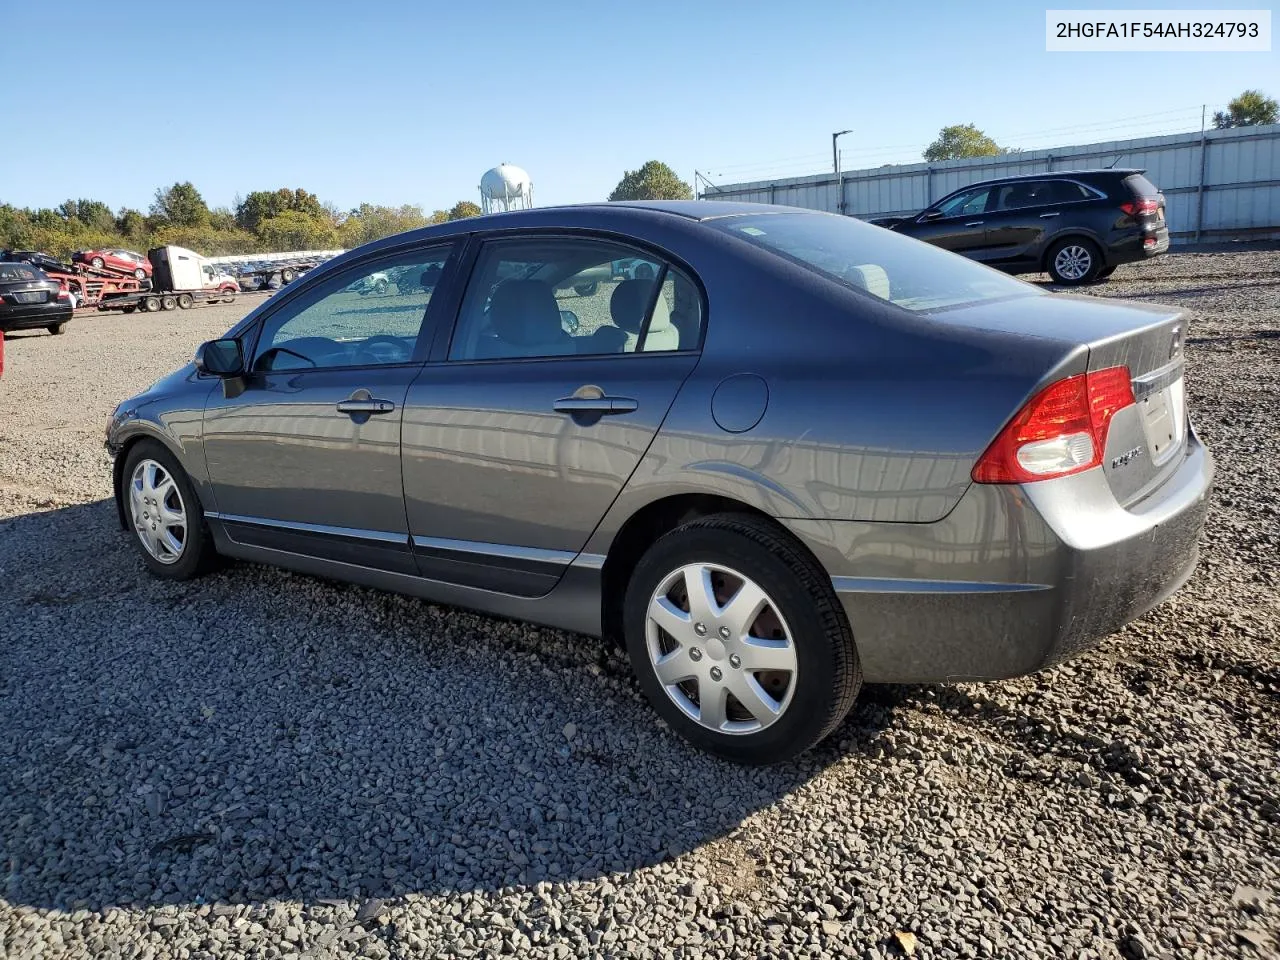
{"x": 894, "y": 585}
{"x": 351, "y": 533}
{"x": 560, "y": 557}
{"x": 589, "y": 561}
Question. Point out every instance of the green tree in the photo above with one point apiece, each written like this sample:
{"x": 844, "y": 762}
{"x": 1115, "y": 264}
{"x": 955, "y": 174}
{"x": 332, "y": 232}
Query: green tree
{"x": 180, "y": 205}
{"x": 369, "y": 222}
{"x": 1251, "y": 108}
{"x": 962, "y": 140}
{"x": 294, "y": 230}
{"x": 91, "y": 213}
{"x": 463, "y": 209}
{"x": 653, "y": 181}
{"x": 262, "y": 205}
{"x": 131, "y": 223}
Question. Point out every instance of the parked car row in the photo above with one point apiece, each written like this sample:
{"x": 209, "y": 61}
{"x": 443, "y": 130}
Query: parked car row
{"x": 1077, "y": 226}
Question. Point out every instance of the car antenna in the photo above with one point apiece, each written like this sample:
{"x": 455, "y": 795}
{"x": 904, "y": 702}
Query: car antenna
{"x": 1115, "y": 161}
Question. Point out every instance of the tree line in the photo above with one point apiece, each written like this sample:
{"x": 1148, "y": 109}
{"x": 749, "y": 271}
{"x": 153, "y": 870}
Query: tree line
{"x": 262, "y": 222}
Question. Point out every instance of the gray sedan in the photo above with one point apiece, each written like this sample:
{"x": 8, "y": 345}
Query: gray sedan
{"x": 800, "y": 454}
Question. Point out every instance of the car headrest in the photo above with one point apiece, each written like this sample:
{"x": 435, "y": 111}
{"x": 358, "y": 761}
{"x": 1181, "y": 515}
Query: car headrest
{"x": 629, "y": 302}
{"x": 872, "y": 278}
{"x": 525, "y": 313}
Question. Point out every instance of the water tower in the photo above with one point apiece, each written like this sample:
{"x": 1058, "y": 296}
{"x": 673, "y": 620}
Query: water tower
{"x": 505, "y": 187}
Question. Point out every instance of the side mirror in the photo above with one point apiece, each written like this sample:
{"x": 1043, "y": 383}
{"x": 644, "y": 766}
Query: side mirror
{"x": 220, "y": 358}
{"x": 569, "y": 321}
{"x": 931, "y": 215}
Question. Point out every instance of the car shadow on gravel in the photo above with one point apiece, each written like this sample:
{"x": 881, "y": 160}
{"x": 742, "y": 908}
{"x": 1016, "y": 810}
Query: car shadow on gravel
{"x": 259, "y": 735}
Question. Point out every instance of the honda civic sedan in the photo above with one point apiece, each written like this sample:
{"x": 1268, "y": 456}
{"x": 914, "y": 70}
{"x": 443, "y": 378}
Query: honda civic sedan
{"x": 804, "y": 453}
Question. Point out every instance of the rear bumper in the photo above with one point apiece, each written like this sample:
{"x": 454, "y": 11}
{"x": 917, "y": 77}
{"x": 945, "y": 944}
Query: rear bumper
{"x": 1133, "y": 245}
{"x": 33, "y": 316}
{"x": 1015, "y": 579}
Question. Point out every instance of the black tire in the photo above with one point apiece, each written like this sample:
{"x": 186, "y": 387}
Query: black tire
{"x": 1104, "y": 273}
{"x": 287, "y": 276}
{"x": 97, "y": 263}
{"x": 151, "y": 304}
{"x": 185, "y": 301}
{"x": 130, "y": 308}
{"x": 587, "y": 289}
{"x": 1080, "y": 258}
{"x": 198, "y": 554}
{"x": 828, "y": 674}
{"x": 58, "y": 329}
{"x": 140, "y": 274}
{"x": 168, "y": 303}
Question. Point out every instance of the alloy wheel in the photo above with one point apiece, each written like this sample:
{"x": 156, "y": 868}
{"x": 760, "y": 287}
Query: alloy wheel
{"x": 159, "y": 515}
{"x": 1073, "y": 262}
{"x": 721, "y": 649}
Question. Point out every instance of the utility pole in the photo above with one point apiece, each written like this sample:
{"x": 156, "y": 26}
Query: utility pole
{"x": 835, "y": 163}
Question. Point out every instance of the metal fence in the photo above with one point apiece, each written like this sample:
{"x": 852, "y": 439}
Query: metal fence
{"x": 1218, "y": 185}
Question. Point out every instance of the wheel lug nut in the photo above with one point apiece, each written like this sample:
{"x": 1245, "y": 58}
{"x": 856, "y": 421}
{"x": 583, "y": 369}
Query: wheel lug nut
{"x": 700, "y": 629}
{"x": 735, "y": 661}
{"x": 695, "y": 654}
{"x": 724, "y": 633}
{"x": 715, "y": 673}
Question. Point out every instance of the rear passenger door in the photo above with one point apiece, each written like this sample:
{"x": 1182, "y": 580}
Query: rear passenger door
{"x": 1027, "y": 215}
{"x": 523, "y": 429}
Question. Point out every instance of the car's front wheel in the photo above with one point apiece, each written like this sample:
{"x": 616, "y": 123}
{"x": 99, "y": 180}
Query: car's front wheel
{"x": 165, "y": 514}
{"x": 1074, "y": 261}
{"x": 58, "y": 329}
{"x": 738, "y": 640}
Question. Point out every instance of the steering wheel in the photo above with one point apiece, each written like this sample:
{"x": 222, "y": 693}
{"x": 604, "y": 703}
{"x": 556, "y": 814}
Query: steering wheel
{"x": 371, "y": 344}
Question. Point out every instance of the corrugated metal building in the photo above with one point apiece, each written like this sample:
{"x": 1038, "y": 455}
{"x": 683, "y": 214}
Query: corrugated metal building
{"x": 1224, "y": 184}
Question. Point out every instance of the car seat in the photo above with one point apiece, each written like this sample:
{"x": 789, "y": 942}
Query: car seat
{"x": 526, "y": 317}
{"x": 628, "y": 305}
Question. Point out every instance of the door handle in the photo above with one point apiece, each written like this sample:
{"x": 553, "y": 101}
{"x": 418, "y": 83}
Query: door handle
{"x": 365, "y": 406}
{"x": 1046, "y": 216}
{"x": 974, "y": 223}
{"x": 601, "y": 405}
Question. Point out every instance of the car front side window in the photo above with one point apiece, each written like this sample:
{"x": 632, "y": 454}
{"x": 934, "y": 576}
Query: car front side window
{"x": 965, "y": 204}
{"x": 365, "y": 316}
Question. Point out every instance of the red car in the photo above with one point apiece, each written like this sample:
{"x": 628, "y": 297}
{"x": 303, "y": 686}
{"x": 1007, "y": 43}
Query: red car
{"x": 115, "y": 260}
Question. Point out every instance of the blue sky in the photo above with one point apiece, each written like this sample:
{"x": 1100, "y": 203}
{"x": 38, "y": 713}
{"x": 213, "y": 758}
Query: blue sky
{"x": 411, "y": 102}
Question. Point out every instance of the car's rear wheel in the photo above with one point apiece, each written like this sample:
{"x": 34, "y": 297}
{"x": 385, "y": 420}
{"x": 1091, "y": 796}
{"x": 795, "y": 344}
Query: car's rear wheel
{"x": 165, "y": 514}
{"x": 1074, "y": 261}
{"x": 1104, "y": 273}
{"x": 738, "y": 640}
{"x": 58, "y": 329}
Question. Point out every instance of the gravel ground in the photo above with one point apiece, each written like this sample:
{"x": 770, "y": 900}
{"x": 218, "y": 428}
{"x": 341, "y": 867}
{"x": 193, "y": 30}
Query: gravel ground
{"x": 263, "y": 764}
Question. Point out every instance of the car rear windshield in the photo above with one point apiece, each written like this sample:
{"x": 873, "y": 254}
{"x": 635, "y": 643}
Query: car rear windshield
{"x": 906, "y": 272}
{"x": 12, "y": 272}
{"x": 1141, "y": 186}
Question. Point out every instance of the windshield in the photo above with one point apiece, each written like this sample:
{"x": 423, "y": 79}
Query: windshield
{"x": 14, "y": 271}
{"x": 906, "y": 272}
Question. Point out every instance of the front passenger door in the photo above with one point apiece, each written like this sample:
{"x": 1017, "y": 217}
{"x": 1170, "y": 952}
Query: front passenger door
{"x": 304, "y": 451}
{"x": 957, "y": 224}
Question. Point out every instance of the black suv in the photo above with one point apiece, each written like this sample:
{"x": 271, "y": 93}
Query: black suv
{"x": 1075, "y": 225}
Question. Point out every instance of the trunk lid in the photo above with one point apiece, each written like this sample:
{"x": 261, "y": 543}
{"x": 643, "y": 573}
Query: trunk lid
{"x": 1144, "y": 439}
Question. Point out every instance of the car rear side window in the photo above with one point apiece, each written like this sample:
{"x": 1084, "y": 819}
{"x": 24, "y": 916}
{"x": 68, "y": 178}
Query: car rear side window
{"x": 906, "y": 272}
{"x": 560, "y": 297}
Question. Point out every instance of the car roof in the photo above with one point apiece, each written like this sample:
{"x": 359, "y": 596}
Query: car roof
{"x": 1060, "y": 175}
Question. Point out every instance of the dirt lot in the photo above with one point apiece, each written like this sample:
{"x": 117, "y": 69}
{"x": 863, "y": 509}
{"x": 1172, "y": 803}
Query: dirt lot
{"x": 265, "y": 764}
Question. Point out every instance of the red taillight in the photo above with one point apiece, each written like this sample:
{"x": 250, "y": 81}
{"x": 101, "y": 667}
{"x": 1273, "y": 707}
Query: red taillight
{"x": 1060, "y": 431}
{"x": 1135, "y": 208}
